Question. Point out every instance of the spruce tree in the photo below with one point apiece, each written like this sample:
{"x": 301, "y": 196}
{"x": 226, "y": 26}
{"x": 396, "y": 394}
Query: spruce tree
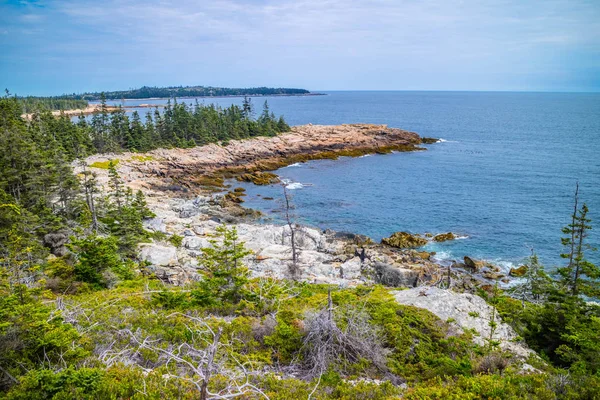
{"x": 580, "y": 276}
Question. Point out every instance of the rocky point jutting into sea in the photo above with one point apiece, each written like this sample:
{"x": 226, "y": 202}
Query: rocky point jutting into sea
{"x": 184, "y": 188}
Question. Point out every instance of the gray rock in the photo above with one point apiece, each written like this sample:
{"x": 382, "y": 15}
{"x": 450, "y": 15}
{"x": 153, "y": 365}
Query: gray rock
{"x": 194, "y": 242}
{"x": 468, "y": 311}
{"x": 351, "y": 269}
{"x": 158, "y": 255}
{"x": 155, "y": 225}
{"x": 188, "y": 232}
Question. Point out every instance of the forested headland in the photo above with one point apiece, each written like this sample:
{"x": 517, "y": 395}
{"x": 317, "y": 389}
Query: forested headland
{"x": 146, "y": 92}
{"x": 82, "y": 316}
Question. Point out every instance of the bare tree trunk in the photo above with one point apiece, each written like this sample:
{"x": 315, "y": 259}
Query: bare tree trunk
{"x": 208, "y": 367}
{"x": 290, "y": 224}
{"x": 581, "y": 233}
{"x": 573, "y": 225}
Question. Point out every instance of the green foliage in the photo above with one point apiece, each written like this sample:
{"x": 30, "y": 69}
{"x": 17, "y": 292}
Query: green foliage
{"x": 104, "y": 164}
{"x": 534, "y": 284}
{"x": 580, "y": 276}
{"x": 225, "y": 276}
{"x": 176, "y": 240}
{"x": 32, "y": 104}
{"x": 95, "y": 256}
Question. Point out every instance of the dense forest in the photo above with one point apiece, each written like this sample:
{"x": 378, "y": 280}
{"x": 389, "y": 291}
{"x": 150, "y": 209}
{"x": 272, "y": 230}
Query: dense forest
{"x": 31, "y": 104}
{"x": 177, "y": 125}
{"x": 147, "y": 92}
{"x": 81, "y": 317}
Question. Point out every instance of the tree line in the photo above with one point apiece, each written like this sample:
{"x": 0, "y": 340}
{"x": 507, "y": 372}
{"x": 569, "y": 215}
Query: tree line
{"x": 178, "y": 125}
{"x": 147, "y": 92}
{"x": 31, "y": 104}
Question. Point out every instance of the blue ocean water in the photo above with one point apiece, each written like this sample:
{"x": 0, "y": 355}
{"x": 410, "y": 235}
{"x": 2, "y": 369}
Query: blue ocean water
{"x": 504, "y": 174}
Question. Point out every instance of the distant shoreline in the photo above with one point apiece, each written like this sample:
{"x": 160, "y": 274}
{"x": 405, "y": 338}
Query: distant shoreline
{"x": 215, "y": 97}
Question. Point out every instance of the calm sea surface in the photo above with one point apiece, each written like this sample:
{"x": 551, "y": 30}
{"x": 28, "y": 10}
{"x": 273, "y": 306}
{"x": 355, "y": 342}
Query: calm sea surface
{"x": 503, "y": 176}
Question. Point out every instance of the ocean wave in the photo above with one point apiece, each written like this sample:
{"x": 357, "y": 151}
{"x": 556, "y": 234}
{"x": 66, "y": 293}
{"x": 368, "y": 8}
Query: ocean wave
{"x": 461, "y": 237}
{"x": 441, "y": 140}
{"x": 293, "y": 165}
{"x": 365, "y": 155}
{"x": 294, "y": 185}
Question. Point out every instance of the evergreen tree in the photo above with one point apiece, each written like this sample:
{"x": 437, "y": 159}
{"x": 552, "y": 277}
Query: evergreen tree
{"x": 580, "y": 276}
{"x": 225, "y": 274}
{"x": 116, "y": 185}
{"x": 535, "y": 284}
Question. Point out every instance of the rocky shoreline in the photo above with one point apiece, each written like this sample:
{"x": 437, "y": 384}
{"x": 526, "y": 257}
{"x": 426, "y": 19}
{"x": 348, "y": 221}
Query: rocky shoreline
{"x": 185, "y": 189}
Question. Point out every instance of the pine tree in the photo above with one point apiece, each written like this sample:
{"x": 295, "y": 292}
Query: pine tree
{"x": 535, "y": 284}
{"x": 225, "y": 274}
{"x": 116, "y": 185}
{"x": 141, "y": 206}
{"x": 580, "y": 276}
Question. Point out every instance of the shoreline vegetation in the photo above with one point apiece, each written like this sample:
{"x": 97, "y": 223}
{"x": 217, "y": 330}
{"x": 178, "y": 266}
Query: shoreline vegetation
{"x": 129, "y": 270}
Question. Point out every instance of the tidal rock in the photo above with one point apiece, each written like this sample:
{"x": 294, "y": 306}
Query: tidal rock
{"x": 518, "y": 272}
{"x": 158, "y": 255}
{"x": 259, "y": 178}
{"x": 404, "y": 240}
{"x": 443, "y": 237}
{"x": 475, "y": 265}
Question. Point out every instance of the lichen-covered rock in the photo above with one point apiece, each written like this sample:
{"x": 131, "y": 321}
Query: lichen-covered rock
{"x": 518, "y": 272}
{"x": 404, "y": 240}
{"x": 444, "y": 237}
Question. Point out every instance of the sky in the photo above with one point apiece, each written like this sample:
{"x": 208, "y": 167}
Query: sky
{"x": 50, "y": 47}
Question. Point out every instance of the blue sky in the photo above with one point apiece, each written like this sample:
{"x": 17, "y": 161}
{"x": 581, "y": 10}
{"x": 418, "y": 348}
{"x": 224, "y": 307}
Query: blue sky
{"x": 58, "y": 46}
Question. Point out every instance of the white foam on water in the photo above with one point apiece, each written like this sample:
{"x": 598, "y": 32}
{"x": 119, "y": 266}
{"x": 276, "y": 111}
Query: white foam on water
{"x": 463, "y": 237}
{"x": 441, "y": 140}
{"x": 366, "y": 155}
{"x": 294, "y": 185}
{"x": 293, "y": 165}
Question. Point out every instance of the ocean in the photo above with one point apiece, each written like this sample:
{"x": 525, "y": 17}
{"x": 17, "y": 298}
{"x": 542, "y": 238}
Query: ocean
{"x": 502, "y": 177}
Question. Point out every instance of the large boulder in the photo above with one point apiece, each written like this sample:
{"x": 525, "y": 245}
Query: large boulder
{"x": 159, "y": 255}
{"x": 404, "y": 240}
{"x": 155, "y": 225}
{"x": 195, "y": 243}
{"x": 466, "y": 310}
